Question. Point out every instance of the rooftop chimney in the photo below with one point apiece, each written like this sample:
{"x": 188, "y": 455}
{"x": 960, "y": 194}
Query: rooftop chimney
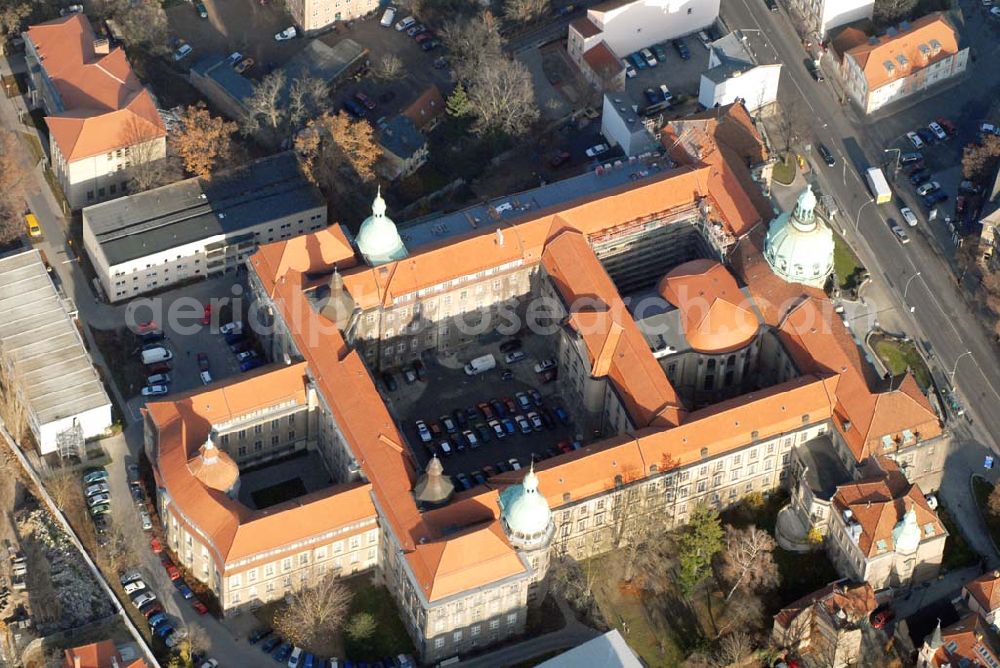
{"x": 101, "y": 46}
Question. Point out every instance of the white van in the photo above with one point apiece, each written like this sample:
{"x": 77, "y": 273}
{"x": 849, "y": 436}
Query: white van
{"x": 154, "y": 355}
{"x": 405, "y": 23}
{"x": 387, "y": 18}
{"x": 480, "y": 364}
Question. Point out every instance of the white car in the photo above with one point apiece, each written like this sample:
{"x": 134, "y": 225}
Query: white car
{"x": 988, "y": 128}
{"x": 629, "y": 69}
{"x": 928, "y": 187}
{"x": 158, "y": 379}
{"x": 98, "y": 499}
{"x": 514, "y": 464}
{"x": 182, "y": 52}
{"x": 405, "y": 24}
{"x": 293, "y": 660}
{"x": 597, "y": 150}
{"x": 154, "y": 390}
{"x": 425, "y": 433}
{"x": 97, "y": 488}
{"x": 545, "y": 365}
{"x": 147, "y": 521}
{"x": 995, "y": 12}
{"x": 288, "y": 33}
{"x": 134, "y": 586}
{"x": 648, "y": 56}
{"x": 900, "y": 233}
{"x": 915, "y": 139}
{"x": 206, "y": 377}
{"x": 909, "y": 216}
{"x": 987, "y": 3}
{"x": 143, "y": 598}
{"x": 211, "y": 663}
{"x": 130, "y": 576}
{"x": 938, "y": 131}
{"x": 231, "y": 328}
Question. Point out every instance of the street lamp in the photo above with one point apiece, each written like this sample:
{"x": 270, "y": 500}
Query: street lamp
{"x": 951, "y": 376}
{"x": 899, "y": 152}
{"x": 907, "y": 287}
{"x": 857, "y": 218}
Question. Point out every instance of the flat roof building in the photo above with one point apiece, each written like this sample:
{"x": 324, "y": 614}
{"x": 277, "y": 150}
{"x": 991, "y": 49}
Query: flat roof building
{"x": 66, "y": 400}
{"x": 198, "y": 227}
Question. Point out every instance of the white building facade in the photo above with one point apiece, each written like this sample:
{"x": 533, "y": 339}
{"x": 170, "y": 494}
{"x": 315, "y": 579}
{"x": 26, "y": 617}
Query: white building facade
{"x": 823, "y": 15}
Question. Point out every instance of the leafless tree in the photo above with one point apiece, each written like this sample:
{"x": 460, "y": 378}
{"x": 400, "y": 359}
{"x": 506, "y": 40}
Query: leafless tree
{"x": 389, "y": 67}
{"x": 12, "y": 16}
{"x": 734, "y": 649}
{"x": 13, "y": 399}
{"x": 143, "y": 23}
{"x": 743, "y": 611}
{"x": 502, "y": 97}
{"x": 748, "y": 560}
{"x": 525, "y": 11}
{"x": 265, "y": 114}
{"x": 149, "y": 167}
{"x": 888, "y": 12}
{"x": 307, "y": 98}
{"x": 13, "y": 177}
{"x": 472, "y": 42}
{"x": 572, "y": 582}
{"x": 314, "y": 613}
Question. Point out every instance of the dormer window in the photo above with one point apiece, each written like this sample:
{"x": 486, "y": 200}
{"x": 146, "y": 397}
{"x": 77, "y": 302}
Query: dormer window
{"x": 890, "y": 69}
{"x": 903, "y": 62}
{"x": 935, "y": 47}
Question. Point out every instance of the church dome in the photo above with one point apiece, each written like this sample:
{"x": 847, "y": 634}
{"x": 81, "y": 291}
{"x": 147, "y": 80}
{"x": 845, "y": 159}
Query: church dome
{"x": 715, "y": 314}
{"x": 799, "y": 247}
{"x": 214, "y": 468}
{"x": 378, "y": 239}
{"x": 525, "y": 513}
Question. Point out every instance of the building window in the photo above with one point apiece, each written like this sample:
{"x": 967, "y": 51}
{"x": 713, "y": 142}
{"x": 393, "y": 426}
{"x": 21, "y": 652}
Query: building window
{"x": 512, "y": 619}
{"x": 438, "y": 643}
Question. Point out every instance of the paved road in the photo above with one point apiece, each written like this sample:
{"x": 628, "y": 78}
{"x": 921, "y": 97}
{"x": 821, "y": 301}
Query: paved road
{"x": 950, "y": 331}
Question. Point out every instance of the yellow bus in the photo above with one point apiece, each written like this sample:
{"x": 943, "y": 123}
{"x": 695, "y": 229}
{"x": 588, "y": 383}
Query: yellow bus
{"x": 34, "y": 229}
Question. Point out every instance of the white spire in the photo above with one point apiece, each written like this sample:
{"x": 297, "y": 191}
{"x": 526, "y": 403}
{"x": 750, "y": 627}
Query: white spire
{"x": 378, "y": 206}
{"x": 530, "y": 482}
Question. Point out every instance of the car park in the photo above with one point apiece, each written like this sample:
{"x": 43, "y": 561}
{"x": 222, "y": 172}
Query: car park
{"x": 909, "y": 216}
{"x": 826, "y": 155}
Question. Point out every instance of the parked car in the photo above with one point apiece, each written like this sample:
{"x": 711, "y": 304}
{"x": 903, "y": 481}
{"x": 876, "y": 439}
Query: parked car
{"x": 558, "y": 159}
{"x": 926, "y": 135}
{"x": 900, "y": 233}
{"x": 948, "y": 126}
{"x": 510, "y": 345}
{"x": 258, "y": 635}
{"x": 919, "y": 177}
{"x": 423, "y": 431}
{"x": 682, "y": 49}
{"x": 201, "y": 9}
{"x": 365, "y": 100}
{"x": 231, "y": 328}
{"x": 96, "y": 488}
{"x": 155, "y": 545}
{"x": 523, "y": 424}
{"x": 183, "y": 51}
{"x": 653, "y": 96}
{"x": 665, "y": 94}
{"x": 928, "y": 187}
{"x": 638, "y": 60}
{"x": 98, "y": 499}
{"x": 251, "y": 364}
{"x": 660, "y": 52}
{"x": 880, "y": 618}
{"x": 155, "y": 390}
{"x": 288, "y": 33}
{"x": 498, "y": 429}
{"x": 130, "y": 575}
{"x": 514, "y": 357}
{"x": 545, "y": 365}
{"x": 536, "y": 421}
{"x": 647, "y": 55}
{"x": 909, "y": 216}
{"x": 915, "y": 139}
{"x": 827, "y": 155}
{"x": 389, "y": 381}
{"x": 430, "y": 46}
{"x": 597, "y": 150}
{"x": 937, "y": 130}
{"x": 630, "y": 71}
{"x": 145, "y": 520}
{"x": 244, "y": 65}
{"x": 143, "y": 599}
{"x": 94, "y": 475}
{"x": 134, "y": 586}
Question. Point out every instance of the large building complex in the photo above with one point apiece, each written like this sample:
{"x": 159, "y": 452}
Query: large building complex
{"x": 103, "y": 123}
{"x": 197, "y": 227}
{"x": 317, "y": 15}
{"x": 39, "y": 340}
{"x": 692, "y": 372}
{"x": 821, "y": 16}
{"x": 904, "y": 61}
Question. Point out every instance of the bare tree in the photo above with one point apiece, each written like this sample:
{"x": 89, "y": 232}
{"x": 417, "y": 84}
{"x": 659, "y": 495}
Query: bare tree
{"x": 744, "y": 611}
{"x": 143, "y": 23}
{"x": 314, "y": 613}
{"x": 13, "y": 176}
{"x": 525, "y": 11}
{"x": 265, "y": 114}
{"x": 888, "y": 12}
{"x": 472, "y": 42}
{"x": 307, "y": 98}
{"x": 13, "y": 399}
{"x": 572, "y": 582}
{"x": 389, "y": 67}
{"x": 147, "y": 154}
{"x": 734, "y": 649}
{"x": 979, "y": 162}
{"x": 502, "y": 97}
{"x": 748, "y": 560}
{"x": 12, "y": 15}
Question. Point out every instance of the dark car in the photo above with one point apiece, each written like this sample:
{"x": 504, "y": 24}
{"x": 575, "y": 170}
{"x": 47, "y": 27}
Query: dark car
{"x": 653, "y": 96}
{"x": 251, "y": 364}
{"x": 389, "y": 381}
{"x": 930, "y": 199}
{"x": 484, "y": 432}
{"x": 202, "y": 362}
{"x": 479, "y": 477}
{"x": 947, "y": 125}
{"x": 234, "y": 338}
{"x": 259, "y": 635}
{"x": 919, "y": 177}
{"x": 502, "y": 467}
{"x": 270, "y": 644}
{"x": 914, "y": 167}
{"x": 354, "y": 109}
{"x": 151, "y": 337}
{"x": 826, "y": 155}
{"x": 682, "y": 49}
{"x": 772, "y": 5}
{"x": 926, "y": 135}
{"x": 460, "y": 417}
{"x": 498, "y": 408}
{"x": 365, "y": 100}
{"x": 558, "y": 159}
{"x": 562, "y": 414}
{"x": 158, "y": 367}
{"x": 282, "y": 653}
{"x": 431, "y": 45}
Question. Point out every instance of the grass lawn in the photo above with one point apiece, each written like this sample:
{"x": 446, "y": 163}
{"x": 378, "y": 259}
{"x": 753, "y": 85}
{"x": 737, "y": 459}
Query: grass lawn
{"x": 846, "y": 265}
{"x": 34, "y": 146}
{"x": 784, "y": 171}
{"x": 279, "y": 493}
{"x": 898, "y": 355}
{"x": 957, "y": 553}
{"x": 982, "y": 490}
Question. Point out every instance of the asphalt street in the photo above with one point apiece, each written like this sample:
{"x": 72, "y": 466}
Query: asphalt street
{"x": 958, "y": 345}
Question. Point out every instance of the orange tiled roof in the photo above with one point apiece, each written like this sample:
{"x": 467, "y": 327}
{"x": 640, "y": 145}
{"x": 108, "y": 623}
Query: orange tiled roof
{"x": 856, "y": 600}
{"x": 715, "y": 314}
{"x": 879, "y": 503}
{"x": 101, "y": 654}
{"x": 603, "y": 61}
{"x": 106, "y": 106}
{"x": 236, "y": 531}
{"x": 427, "y": 108}
{"x": 585, "y": 27}
{"x": 968, "y": 639}
{"x": 313, "y": 252}
{"x": 871, "y": 58}
{"x": 985, "y": 590}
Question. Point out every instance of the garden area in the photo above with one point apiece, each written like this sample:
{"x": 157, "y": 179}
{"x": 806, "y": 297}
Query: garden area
{"x": 784, "y": 170}
{"x": 900, "y": 355}
{"x": 368, "y": 628}
{"x": 847, "y": 268}
{"x": 988, "y": 503}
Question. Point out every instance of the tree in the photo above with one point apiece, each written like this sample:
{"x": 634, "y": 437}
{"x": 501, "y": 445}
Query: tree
{"x": 472, "y": 42}
{"x": 13, "y": 401}
{"x": 143, "y": 23}
{"x": 13, "y": 176}
{"x": 744, "y": 611}
{"x": 12, "y": 15}
{"x": 700, "y": 541}
{"x": 993, "y": 502}
{"x": 314, "y": 613}
{"x": 748, "y": 560}
{"x": 502, "y": 97}
{"x": 734, "y": 649}
{"x": 525, "y": 11}
{"x": 203, "y": 141}
{"x": 889, "y": 12}
{"x": 361, "y": 627}
{"x": 457, "y": 104}
{"x": 149, "y": 164}
{"x": 264, "y": 113}
{"x": 979, "y": 163}
{"x": 307, "y": 98}
{"x": 814, "y": 537}
{"x": 389, "y": 67}
{"x": 336, "y": 152}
